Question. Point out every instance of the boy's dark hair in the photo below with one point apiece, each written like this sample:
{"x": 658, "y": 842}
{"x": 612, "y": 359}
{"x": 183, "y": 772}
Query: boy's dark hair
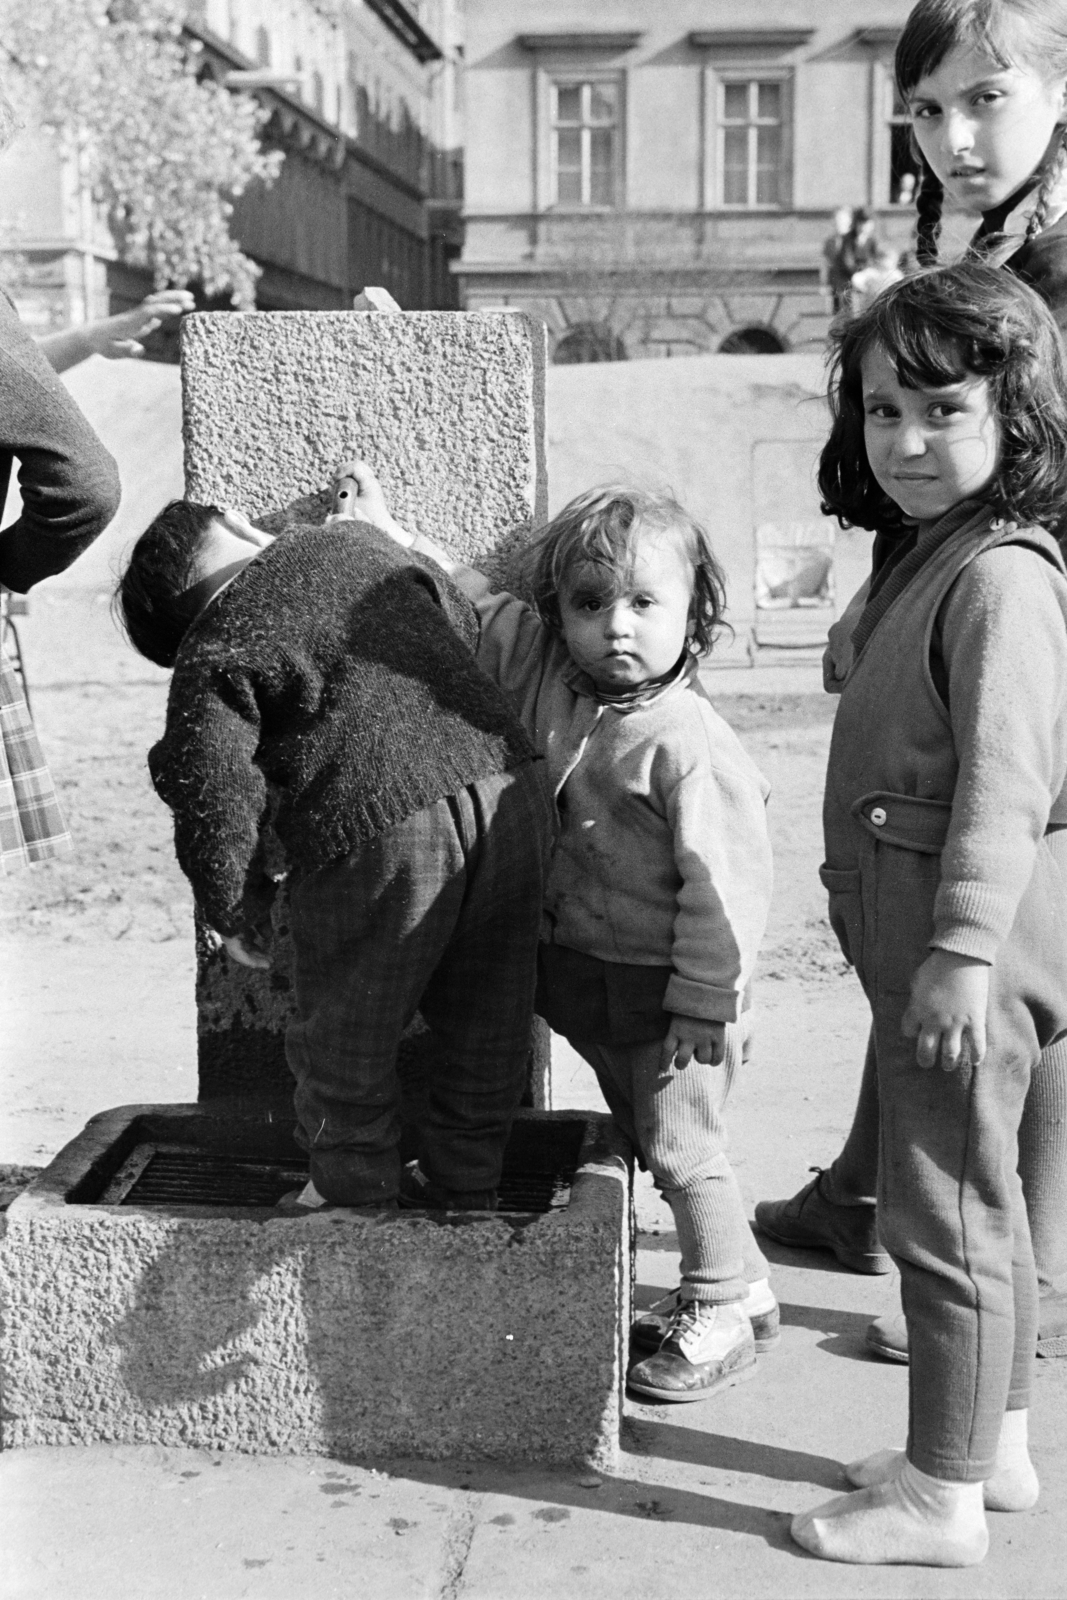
{"x": 598, "y": 527}
{"x": 152, "y": 600}
{"x": 1030, "y": 33}
{"x": 938, "y": 328}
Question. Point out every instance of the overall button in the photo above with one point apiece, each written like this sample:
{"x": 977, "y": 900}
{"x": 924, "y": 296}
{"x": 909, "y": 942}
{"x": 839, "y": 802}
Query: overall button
{"x": 878, "y": 816}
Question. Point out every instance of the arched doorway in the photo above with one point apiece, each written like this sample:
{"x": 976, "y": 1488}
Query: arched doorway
{"x": 589, "y": 341}
{"x": 752, "y": 342}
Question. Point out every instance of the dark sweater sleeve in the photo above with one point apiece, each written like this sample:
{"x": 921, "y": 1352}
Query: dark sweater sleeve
{"x": 69, "y": 482}
{"x": 1042, "y": 263}
{"x": 204, "y": 769}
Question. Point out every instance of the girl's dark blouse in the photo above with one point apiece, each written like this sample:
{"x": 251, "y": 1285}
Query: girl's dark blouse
{"x": 1042, "y": 263}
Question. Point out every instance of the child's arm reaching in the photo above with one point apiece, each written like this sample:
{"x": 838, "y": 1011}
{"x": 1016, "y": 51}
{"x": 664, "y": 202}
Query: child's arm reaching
{"x": 512, "y": 639}
{"x": 205, "y": 771}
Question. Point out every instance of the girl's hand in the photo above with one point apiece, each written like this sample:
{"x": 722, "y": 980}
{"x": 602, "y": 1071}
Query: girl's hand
{"x": 239, "y": 950}
{"x": 358, "y": 497}
{"x": 120, "y": 336}
{"x": 693, "y": 1038}
{"x": 947, "y": 1013}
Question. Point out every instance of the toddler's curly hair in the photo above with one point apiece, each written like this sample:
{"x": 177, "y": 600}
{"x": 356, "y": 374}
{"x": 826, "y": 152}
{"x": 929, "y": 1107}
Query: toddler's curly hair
{"x": 600, "y": 528}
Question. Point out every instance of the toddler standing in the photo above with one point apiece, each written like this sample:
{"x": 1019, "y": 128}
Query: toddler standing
{"x": 659, "y": 884}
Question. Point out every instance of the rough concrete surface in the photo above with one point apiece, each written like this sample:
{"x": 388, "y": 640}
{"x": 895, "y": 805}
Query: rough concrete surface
{"x": 449, "y": 407}
{"x": 332, "y": 1333}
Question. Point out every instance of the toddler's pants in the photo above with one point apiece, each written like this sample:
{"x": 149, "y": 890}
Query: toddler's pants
{"x": 950, "y": 1202}
{"x": 440, "y": 914}
{"x": 674, "y": 1121}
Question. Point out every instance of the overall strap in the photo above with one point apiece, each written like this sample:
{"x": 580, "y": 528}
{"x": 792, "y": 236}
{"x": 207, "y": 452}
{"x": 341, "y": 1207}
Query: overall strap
{"x": 952, "y": 522}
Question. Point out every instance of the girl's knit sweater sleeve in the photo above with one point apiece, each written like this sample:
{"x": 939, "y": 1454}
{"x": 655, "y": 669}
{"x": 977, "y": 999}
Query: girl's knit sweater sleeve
{"x": 717, "y": 809}
{"x": 204, "y": 769}
{"x": 1004, "y": 639}
{"x": 68, "y": 481}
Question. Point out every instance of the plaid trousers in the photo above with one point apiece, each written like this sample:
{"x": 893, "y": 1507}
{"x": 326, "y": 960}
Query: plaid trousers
{"x": 32, "y": 827}
{"x": 439, "y": 914}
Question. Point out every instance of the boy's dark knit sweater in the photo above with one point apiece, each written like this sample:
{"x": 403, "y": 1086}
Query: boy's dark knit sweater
{"x": 335, "y": 675}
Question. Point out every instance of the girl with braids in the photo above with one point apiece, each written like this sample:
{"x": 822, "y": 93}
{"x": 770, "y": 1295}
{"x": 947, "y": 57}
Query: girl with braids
{"x": 984, "y": 83}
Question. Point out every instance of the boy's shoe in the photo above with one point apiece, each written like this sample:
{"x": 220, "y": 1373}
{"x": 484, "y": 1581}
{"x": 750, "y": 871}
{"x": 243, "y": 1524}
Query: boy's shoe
{"x": 308, "y": 1202}
{"x": 302, "y": 1202}
{"x": 809, "y": 1221}
{"x": 888, "y": 1336}
{"x": 417, "y": 1193}
{"x": 649, "y": 1331}
{"x": 706, "y": 1349}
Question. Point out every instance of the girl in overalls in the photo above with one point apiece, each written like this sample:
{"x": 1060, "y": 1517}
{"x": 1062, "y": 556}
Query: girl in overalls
{"x": 944, "y": 797}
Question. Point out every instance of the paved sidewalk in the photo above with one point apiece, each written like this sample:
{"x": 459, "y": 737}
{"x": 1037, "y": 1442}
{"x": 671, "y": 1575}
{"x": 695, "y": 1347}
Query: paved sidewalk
{"x": 699, "y": 1503}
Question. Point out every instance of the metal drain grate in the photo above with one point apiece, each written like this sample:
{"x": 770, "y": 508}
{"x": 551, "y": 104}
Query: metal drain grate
{"x": 174, "y": 1174}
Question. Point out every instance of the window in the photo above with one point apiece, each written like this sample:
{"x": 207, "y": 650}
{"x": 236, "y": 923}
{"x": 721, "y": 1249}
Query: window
{"x": 903, "y": 167}
{"x": 585, "y": 143}
{"x": 263, "y": 47}
{"x": 752, "y": 142}
{"x": 318, "y": 92}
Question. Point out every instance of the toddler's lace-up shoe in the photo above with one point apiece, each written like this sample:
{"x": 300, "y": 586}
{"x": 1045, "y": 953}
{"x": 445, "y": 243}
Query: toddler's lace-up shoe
{"x": 706, "y": 1348}
{"x": 809, "y": 1221}
{"x": 760, "y": 1306}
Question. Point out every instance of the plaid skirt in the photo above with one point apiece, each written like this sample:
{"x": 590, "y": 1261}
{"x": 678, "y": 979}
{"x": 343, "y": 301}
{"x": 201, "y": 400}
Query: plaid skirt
{"x": 32, "y": 827}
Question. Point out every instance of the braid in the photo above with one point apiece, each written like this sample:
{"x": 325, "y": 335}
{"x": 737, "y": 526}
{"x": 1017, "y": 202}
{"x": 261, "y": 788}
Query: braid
{"x": 1057, "y": 171}
{"x": 928, "y": 215}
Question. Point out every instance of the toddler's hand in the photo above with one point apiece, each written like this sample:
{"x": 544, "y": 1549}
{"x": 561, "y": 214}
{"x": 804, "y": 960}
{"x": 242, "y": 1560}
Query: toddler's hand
{"x": 693, "y": 1039}
{"x": 947, "y": 1012}
{"x": 240, "y": 951}
{"x": 358, "y": 497}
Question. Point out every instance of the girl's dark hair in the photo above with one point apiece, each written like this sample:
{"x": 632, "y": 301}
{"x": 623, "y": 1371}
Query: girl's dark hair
{"x": 1010, "y": 32}
{"x": 599, "y": 528}
{"x": 938, "y": 328}
{"x": 152, "y": 601}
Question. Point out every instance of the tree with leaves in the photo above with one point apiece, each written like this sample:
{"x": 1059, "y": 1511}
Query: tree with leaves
{"x": 164, "y": 151}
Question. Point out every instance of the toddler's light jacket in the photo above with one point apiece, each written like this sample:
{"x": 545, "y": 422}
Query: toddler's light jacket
{"x": 663, "y": 856}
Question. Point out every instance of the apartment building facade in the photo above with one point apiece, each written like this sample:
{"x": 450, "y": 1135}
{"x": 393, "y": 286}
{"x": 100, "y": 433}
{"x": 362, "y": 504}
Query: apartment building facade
{"x": 660, "y": 179}
{"x": 362, "y": 97}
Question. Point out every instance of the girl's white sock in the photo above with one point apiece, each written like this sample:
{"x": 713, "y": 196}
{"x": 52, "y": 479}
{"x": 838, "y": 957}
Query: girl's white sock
{"x": 911, "y": 1518}
{"x": 760, "y": 1298}
{"x": 1012, "y": 1487}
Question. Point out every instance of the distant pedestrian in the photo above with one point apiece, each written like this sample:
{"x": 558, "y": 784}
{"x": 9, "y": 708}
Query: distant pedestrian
{"x": 836, "y": 273}
{"x": 884, "y": 268}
